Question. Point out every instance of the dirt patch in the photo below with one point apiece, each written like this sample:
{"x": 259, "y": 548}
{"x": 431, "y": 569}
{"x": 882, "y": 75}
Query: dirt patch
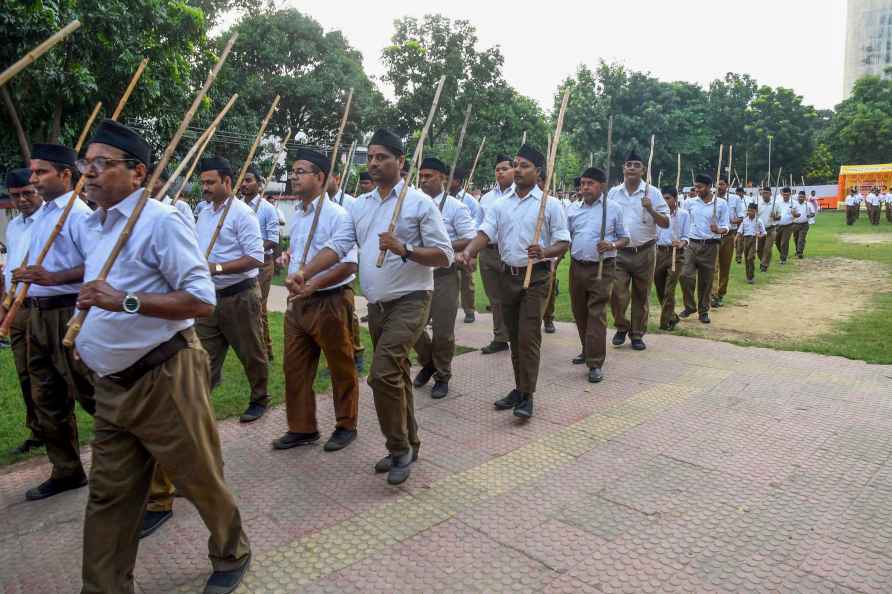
{"x": 866, "y": 239}
{"x": 801, "y": 305}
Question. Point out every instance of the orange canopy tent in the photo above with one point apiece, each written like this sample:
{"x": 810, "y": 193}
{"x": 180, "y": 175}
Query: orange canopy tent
{"x": 863, "y": 177}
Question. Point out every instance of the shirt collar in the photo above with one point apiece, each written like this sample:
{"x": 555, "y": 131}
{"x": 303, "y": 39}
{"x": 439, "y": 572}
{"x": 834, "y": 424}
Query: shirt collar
{"x": 535, "y": 193}
{"x": 508, "y": 191}
{"x": 640, "y": 188}
{"x": 125, "y": 208}
{"x": 312, "y": 206}
{"x": 61, "y": 200}
{"x": 34, "y": 215}
{"x": 395, "y": 192}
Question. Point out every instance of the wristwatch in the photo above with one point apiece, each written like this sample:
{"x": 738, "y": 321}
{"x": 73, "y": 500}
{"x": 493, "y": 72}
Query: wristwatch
{"x": 410, "y": 249}
{"x": 218, "y": 268}
{"x": 130, "y": 304}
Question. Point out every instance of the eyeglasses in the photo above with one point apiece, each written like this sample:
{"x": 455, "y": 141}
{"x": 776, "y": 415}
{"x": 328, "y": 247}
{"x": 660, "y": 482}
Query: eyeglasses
{"x": 295, "y": 173}
{"x": 26, "y": 194}
{"x": 100, "y": 164}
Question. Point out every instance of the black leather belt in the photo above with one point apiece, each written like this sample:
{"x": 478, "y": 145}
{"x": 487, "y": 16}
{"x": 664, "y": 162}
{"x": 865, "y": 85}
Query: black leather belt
{"x": 248, "y": 283}
{"x": 706, "y": 241}
{"x": 51, "y": 302}
{"x": 665, "y": 248}
{"x": 328, "y": 292}
{"x": 438, "y": 272}
{"x": 591, "y": 262}
{"x": 640, "y": 248}
{"x": 492, "y": 246}
{"x": 383, "y": 306}
{"x": 149, "y": 361}
{"x": 519, "y": 270}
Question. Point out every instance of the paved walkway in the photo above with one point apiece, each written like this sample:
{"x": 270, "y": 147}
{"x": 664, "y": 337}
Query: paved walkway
{"x": 695, "y": 467}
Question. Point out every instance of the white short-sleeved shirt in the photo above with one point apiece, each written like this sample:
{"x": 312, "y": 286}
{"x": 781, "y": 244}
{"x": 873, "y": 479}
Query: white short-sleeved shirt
{"x": 70, "y": 247}
{"x": 18, "y": 238}
{"x": 679, "y": 228}
{"x": 704, "y": 214}
{"x": 788, "y": 211}
{"x": 584, "y": 224}
{"x": 766, "y": 210}
{"x": 641, "y": 225}
{"x": 332, "y": 219}
{"x": 344, "y": 199}
{"x": 182, "y": 206}
{"x": 457, "y": 219}
{"x": 239, "y": 236}
{"x": 736, "y": 209}
{"x": 268, "y": 218}
{"x": 489, "y": 200}
{"x": 751, "y": 227}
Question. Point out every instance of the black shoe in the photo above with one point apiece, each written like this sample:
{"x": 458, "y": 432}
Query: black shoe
{"x": 704, "y": 318}
{"x": 339, "y": 440}
{"x": 549, "y": 327}
{"x": 360, "y": 363}
{"x": 508, "y": 401}
{"x": 783, "y": 262}
{"x": 739, "y": 261}
{"x": 488, "y": 307}
{"x": 292, "y": 440}
{"x": 224, "y": 582}
{"x": 638, "y": 344}
{"x": 26, "y": 446}
{"x": 800, "y": 256}
{"x": 386, "y": 463}
{"x": 672, "y": 324}
{"x": 52, "y": 486}
{"x": 717, "y": 302}
{"x": 685, "y": 313}
{"x": 364, "y": 318}
{"x": 152, "y": 520}
{"x": 524, "y": 408}
{"x": 595, "y": 375}
{"x": 400, "y": 468}
{"x": 619, "y": 338}
{"x": 579, "y": 359}
{"x": 440, "y": 390}
{"x": 252, "y": 413}
{"x": 469, "y": 317}
{"x": 423, "y": 377}
{"x": 763, "y": 268}
{"x": 750, "y": 281}
{"x": 494, "y": 347}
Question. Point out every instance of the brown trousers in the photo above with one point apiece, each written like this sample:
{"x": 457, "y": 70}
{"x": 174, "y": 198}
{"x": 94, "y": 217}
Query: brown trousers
{"x": 696, "y": 275}
{"x": 235, "y": 323}
{"x": 800, "y": 231}
{"x": 490, "y": 271}
{"x": 889, "y": 212}
{"x": 164, "y": 418}
{"x": 738, "y": 247}
{"x": 749, "y": 254}
{"x": 19, "y": 343}
{"x": 765, "y": 245}
{"x": 355, "y": 333}
{"x": 319, "y": 324}
{"x": 265, "y": 281}
{"x": 631, "y": 282}
{"x": 523, "y": 310}
{"x": 723, "y": 271}
{"x": 395, "y": 327}
{"x": 436, "y": 352}
{"x": 873, "y": 214}
{"x": 588, "y": 299}
{"x": 782, "y": 240}
{"x": 57, "y": 380}
{"x": 552, "y": 293}
{"x": 665, "y": 281}
{"x": 467, "y": 291}
{"x": 852, "y": 213}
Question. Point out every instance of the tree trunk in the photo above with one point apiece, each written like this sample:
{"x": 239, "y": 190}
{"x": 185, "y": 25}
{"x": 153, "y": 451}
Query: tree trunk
{"x": 57, "y": 121}
{"x": 24, "y": 145}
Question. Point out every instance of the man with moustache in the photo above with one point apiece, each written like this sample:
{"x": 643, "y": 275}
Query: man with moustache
{"x": 366, "y": 184}
{"x": 736, "y": 212}
{"x": 788, "y": 211}
{"x": 671, "y": 243}
{"x": 769, "y": 214}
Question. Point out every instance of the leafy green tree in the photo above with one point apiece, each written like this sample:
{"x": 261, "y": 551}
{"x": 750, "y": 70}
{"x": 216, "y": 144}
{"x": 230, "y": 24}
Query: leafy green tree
{"x": 820, "y": 166}
{"x": 860, "y": 132}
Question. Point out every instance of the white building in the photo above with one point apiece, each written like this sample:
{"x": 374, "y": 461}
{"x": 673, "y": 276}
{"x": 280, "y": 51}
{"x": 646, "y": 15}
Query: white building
{"x": 868, "y": 40}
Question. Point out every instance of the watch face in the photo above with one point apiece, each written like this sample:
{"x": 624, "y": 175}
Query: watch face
{"x": 131, "y": 304}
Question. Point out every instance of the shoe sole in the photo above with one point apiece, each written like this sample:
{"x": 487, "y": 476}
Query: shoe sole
{"x": 28, "y": 497}
{"x": 296, "y": 444}
{"x": 504, "y": 406}
{"x": 399, "y": 481}
{"x": 237, "y": 583}
{"x": 244, "y": 419}
{"x": 145, "y": 533}
{"x": 521, "y": 415}
{"x": 337, "y": 446}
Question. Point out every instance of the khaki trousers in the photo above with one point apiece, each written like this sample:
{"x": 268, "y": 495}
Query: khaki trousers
{"x": 490, "y": 271}
{"x": 665, "y": 281}
{"x": 265, "y": 281}
{"x": 523, "y": 310}
{"x": 696, "y": 275}
{"x": 749, "y": 255}
{"x": 235, "y": 323}
{"x": 548, "y": 315}
{"x": 782, "y": 240}
{"x": 738, "y": 247}
{"x": 436, "y": 352}
{"x": 889, "y": 212}
{"x": 164, "y": 417}
{"x": 57, "y": 380}
{"x": 19, "y": 343}
{"x": 765, "y": 245}
{"x": 631, "y": 282}
{"x": 355, "y": 333}
{"x": 467, "y": 291}
{"x": 800, "y": 231}
{"x": 726, "y": 254}
{"x": 588, "y": 300}
{"x": 395, "y": 327}
{"x": 320, "y": 324}
{"x": 873, "y": 213}
{"x": 851, "y": 214}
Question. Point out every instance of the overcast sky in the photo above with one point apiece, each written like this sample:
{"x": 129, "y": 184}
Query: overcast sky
{"x": 792, "y": 43}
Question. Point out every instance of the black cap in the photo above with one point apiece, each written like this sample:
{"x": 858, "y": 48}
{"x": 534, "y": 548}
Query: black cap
{"x": 435, "y": 164}
{"x": 703, "y": 179}
{"x": 501, "y": 158}
{"x": 389, "y": 140}
{"x": 766, "y": 188}
{"x": 802, "y": 192}
{"x": 723, "y": 178}
{"x": 364, "y": 176}
{"x": 740, "y": 190}
{"x": 752, "y": 206}
{"x": 318, "y": 159}
{"x": 218, "y": 164}
{"x": 785, "y": 189}
{"x": 669, "y": 190}
{"x": 18, "y": 178}
{"x": 460, "y": 173}
{"x": 577, "y": 181}
{"x": 634, "y": 156}
{"x": 532, "y": 155}
{"x": 255, "y": 172}
{"x": 126, "y": 139}
{"x": 55, "y": 153}
{"x": 595, "y": 174}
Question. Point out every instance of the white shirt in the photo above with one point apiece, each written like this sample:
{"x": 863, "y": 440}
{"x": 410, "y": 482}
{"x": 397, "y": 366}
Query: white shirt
{"x": 470, "y": 202}
{"x": 419, "y": 224}
{"x": 70, "y": 247}
{"x": 853, "y": 200}
{"x": 344, "y": 199}
{"x": 160, "y": 256}
{"x": 18, "y": 237}
{"x": 457, "y": 219}
{"x": 641, "y": 225}
{"x": 489, "y": 200}
{"x": 873, "y": 199}
{"x": 332, "y": 219}
{"x": 766, "y": 209}
{"x": 737, "y": 206}
{"x": 804, "y": 210}
{"x": 788, "y": 211}
{"x": 512, "y": 224}
{"x": 751, "y": 227}
{"x": 268, "y": 219}
{"x": 182, "y": 206}
{"x": 584, "y": 224}
{"x": 704, "y": 214}
{"x": 239, "y": 236}
{"x": 679, "y": 228}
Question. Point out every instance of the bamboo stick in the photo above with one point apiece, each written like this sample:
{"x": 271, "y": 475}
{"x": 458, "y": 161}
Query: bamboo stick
{"x": 345, "y": 172}
{"x": 129, "y": 89}
{"x": 650, "y": 160}
{"x": 83, "y": 137}
{"x": 458, "y": 146}
{"x": 604, "y": 194}
{"x": 678, "y": 174}
{"x": 76, "y": 323}
{"x": 38, "y": 51}
{"x": 470, "y": 175}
